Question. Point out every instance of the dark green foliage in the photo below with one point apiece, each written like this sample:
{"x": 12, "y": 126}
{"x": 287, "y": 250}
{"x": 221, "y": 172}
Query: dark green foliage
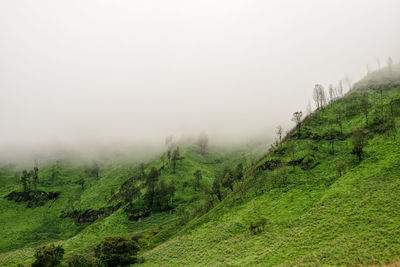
{"x": 331, "y": 136}
{"x": 93, "y": 171}
{"x": 359, "y": 140}
{"x": 25, "y": 181}
{"x": 308, "y": 163}
{"x": 81, "y": 182}
{"x": 197, "y": 178}
{"x": 33, "y": 198}
{"x": 90, "y": 215}
{"x": 228, "y": 180}
{"x": 80, "y": 261}
{"x": 117, "y": 251}
{"x": 48, "y": 256}
{"x": 216, "y": 189}
{"x": 175, "y": 157}
{"x": 340, "y": 168}
{"x": 258, "y": 226}
{"x": 270, "y": 164}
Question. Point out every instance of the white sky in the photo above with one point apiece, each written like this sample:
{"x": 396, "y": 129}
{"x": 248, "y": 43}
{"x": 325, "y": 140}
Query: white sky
{"x": 139, "y": 70}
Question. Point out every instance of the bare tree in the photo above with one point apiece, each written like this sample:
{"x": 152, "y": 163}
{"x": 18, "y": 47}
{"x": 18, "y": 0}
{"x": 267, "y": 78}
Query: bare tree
{"x": 297, "y": 119}
{"x": 348, "y": 81}
{"x": 340, "y": 89}
{"x": 331, "y": 93}
{"x": 319, "y": 96}
{"x": 279, "y": 131}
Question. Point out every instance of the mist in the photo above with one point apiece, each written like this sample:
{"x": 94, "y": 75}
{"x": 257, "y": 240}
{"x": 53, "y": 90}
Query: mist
{"x": 131, "y": 72}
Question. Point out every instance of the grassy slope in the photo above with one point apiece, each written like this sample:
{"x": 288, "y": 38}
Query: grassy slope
{"x": 317, "y": 219}
{"x": 19, "y": 238}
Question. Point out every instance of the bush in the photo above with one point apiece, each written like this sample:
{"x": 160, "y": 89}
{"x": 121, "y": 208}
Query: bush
{"x": 117, "y": 251}
{"x": 48, "y": 256}
{"x": 79, "y": 261}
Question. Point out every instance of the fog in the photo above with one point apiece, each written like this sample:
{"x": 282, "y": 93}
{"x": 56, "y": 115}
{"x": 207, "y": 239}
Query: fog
{"x": 116, "y": 72}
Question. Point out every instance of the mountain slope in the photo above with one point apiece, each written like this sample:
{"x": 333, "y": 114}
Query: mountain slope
{"x": 315, "y": 216}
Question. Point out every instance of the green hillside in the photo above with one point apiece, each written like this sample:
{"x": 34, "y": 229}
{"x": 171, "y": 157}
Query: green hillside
{"x": 329, "y": 194}
{"x": 24, "y": 228}
{"x": 315, "y": 214}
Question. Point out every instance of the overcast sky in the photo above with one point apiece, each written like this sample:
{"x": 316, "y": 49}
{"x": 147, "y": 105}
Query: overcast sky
{"x": 139, "y": 70}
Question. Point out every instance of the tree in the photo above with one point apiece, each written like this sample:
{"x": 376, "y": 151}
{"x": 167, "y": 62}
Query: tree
{"x": 81, "y": 182}
{"x": 142, "y": 168}
{"x": 339, "y": 118}
{"x": 197, "y": 177}
{"x": 365, "y": 106}
{"x": 228, "y": 180}
{"x": 48, "y": 256}
{"x": 297, "y": 119}
{"x": 129, "y": 191}
{"x": 319, "y": 96}
{"x": 292, "y": 151}
{"x": 216, "y": 189}
{"x": 331, "y": 136}
{"x": 340, "y": 89}
{"x": 35, "y": 175}
{"x": 169, "y": 156}
{"x": 238, "y": 172}
{"x": 175, "y": 157}
{"x": 348, "y": 81}
{"x": 25, "y": 181}
{"x": 279, "y": 131}
{"x": 162, "y": 158}
{"x": 93, "y": 170}
{"x": 117, "y": 251}
{"x": 359, "y": 140}
{"x": 389, "y": 64}
{"x": 331, "y": 93}
{"x": 202, "y": 142}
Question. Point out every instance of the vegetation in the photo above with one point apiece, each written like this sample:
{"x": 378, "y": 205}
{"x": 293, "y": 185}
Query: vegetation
{"x": 327, "y": 193}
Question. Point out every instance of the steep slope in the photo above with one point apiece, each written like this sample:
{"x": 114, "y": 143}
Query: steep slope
{"x": 315, "y": 214}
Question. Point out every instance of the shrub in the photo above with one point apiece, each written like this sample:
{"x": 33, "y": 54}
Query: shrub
{"x": 79, "y": 261}
{"x": 258, "y": 226}
{"x": 117, "y": 251}
{"x": 48, "y": 256}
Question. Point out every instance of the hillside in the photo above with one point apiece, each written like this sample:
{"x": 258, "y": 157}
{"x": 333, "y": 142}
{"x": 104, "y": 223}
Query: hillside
{"x": 328, "y": 194}
{"x": 45, "y": 225}
{"x": 323, "y": 206}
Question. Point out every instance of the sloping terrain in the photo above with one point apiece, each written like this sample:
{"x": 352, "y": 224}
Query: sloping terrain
{"x": 323, "y": 205}
{"x": 329, "y": 194}
{"x": 24, "y": 228}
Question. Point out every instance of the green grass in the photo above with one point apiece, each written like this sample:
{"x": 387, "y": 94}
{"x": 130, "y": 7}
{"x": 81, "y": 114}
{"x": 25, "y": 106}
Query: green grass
{"x": 315, "y": 218}
{"x": 24, "y": 229}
